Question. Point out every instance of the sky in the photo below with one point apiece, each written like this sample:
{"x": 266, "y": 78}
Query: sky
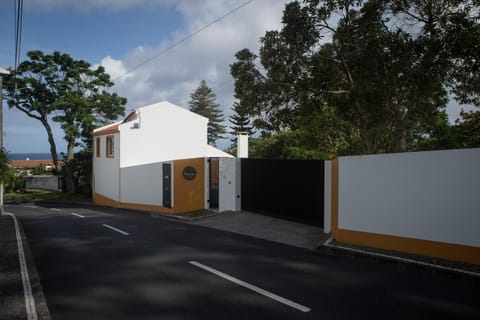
{"x": 121, "y": 34}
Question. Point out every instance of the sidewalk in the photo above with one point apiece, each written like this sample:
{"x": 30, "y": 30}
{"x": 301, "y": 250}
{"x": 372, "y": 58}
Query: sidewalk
{"x": 267, "y": 228}
{"x": 312, "y": 238}
{"x": 13, "y": 296}
{"x": 12, "y": 299}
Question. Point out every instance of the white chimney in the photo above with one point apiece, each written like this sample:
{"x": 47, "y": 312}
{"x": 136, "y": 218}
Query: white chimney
{"x": 242, "y": 145}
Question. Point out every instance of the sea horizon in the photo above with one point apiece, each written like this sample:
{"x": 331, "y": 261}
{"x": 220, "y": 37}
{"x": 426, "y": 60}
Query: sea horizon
{"x": 32, "y": 156}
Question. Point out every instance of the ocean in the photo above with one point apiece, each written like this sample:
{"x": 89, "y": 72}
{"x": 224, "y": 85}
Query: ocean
{"x": 32, "y": 156}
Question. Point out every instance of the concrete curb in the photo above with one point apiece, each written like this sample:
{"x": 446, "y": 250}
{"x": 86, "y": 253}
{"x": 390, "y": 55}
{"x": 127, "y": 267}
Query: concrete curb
{"x": 41, "y": 308}
{"x": 366, "y": 252}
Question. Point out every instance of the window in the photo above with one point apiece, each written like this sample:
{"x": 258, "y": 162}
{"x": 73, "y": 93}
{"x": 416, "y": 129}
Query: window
{"x": 110, "y": 147}
{"x": 97, "y": 147}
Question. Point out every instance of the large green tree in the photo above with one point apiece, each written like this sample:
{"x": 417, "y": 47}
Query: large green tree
{"x": 203, "y": 102}
{"x": 56, "y": 87}
{"x": 379, "y": 72}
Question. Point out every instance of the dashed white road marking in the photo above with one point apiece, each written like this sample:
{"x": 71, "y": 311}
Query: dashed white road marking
{"x": 115, "y": 229}
{"x": 252, "y": 287}
{"x": 27, "y": 287}
{"x": 32, "y": 207}
{"x": 78, "y": 215}
{"x": 55, "y": 209}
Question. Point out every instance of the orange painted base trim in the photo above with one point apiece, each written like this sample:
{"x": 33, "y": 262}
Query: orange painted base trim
{"x": 434, "y": 249}
{"x": 429, "y": 248}
{"x": 105, "y": 201}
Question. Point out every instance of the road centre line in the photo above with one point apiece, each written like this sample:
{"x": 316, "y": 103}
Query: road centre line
{"x": 55, "y": 209}
{"x": 115, "y": 229}
{"x": 32, "y": 207}
{"x": 27, "y": 287}
{"x": 78, "y": 215}
{"x": 252, "y": 287}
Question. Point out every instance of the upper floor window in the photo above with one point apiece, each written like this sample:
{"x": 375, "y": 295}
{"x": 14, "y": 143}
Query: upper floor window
{"x": 97, "y": 147}
{"x": 110, "y": 147}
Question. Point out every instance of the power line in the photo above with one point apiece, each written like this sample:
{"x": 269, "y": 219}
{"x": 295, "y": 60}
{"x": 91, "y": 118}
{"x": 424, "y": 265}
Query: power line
{"x": 191, "y": 35}
{"x": 18, "y": 14}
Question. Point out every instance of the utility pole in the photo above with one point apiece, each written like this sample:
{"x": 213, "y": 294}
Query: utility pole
{"x": 2, "y": 72}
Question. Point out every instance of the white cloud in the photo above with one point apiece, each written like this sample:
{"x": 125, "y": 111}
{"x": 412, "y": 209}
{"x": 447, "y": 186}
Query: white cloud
{"x": 175, "y": 73}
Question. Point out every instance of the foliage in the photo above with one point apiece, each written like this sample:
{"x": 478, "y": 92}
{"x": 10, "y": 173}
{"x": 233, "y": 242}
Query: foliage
{"x": 80, "y": 168}
{"x": 240, "y": 122}
{"x": 5, "y": 168}
{"x": 373, "y": 75}
{"x": 58, "y": 87}
{"x": 45, "y": 195}
{"x": 465, "y": 133}
{"x": 203, "y": 102}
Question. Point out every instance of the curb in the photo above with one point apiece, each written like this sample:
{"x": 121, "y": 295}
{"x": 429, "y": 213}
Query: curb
{"x": 365, "y": 252}
{"x": 36, "y": 304}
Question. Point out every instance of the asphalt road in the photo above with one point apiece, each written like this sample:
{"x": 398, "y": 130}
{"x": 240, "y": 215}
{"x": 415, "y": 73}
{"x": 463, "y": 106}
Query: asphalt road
{"x": 115, "y": 264}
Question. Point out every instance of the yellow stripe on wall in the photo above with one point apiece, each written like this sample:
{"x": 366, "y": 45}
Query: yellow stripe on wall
{"x": 429, "y": 248}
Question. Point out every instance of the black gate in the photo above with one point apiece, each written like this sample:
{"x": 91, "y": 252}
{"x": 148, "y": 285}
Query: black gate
{"x": 292, "y": 189}
{"x": 167, "y": 185}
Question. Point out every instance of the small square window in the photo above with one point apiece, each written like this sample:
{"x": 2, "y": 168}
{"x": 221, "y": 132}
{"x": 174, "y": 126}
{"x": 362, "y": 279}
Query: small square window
{"x": 110, "y": 147}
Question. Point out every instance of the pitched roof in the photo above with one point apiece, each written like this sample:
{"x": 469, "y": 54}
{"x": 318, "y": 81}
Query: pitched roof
{"x": 110, "y": 128}
{"x": 30, "y": 163}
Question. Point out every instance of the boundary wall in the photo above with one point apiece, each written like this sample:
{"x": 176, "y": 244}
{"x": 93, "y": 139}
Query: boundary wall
{"x": 424, "y": 203}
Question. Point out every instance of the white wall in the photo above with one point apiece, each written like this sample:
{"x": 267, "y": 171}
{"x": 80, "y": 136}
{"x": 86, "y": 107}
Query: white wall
{"x": 425, "y": 195}
{"x": 327, "y": 222}
{"x": 228, "y": 185}
{"x": 142, "y": 184}
{"x": 107, "y": 170}
{"x": 166, "y": 132}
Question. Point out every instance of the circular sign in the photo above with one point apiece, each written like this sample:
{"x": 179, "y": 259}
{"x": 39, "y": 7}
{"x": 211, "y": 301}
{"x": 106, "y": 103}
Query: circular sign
{"x": 189, "y": 173}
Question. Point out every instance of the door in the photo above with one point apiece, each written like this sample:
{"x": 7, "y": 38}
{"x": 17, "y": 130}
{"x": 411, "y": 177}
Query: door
{"x": 167, "y": 185}
{"x": 213, "y": 182}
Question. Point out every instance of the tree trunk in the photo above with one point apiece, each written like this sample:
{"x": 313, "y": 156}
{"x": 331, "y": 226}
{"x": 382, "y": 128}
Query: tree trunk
{"x": 68, "y": 178}
{"x": 51, "y": 140}
{"x": 70, "y": 146}
{"x": 401, "y": 142}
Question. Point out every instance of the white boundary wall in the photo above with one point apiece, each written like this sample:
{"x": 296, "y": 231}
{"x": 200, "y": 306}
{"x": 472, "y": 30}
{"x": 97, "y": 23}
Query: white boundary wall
{"x": 431, "y": 195}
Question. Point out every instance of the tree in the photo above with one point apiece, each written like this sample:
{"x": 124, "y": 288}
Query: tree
{"x": 69, "y": 89}
{"x": 381, "y": 69}
{"x": 57, "y": 87}
{"x": 464, "y": 133}
{"x": 203, "y": 103}
{"x": 5, "y": 168}
{"x": 240, "y": 122}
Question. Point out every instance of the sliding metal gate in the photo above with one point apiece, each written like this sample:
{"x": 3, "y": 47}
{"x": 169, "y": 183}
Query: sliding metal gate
{"x": 292, "y": 189}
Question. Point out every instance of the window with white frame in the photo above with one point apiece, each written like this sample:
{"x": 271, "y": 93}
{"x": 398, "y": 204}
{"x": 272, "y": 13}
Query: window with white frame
{"x": 110, "y": 147}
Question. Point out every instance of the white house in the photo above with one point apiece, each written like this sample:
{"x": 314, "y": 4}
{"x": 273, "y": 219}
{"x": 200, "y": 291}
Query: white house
{"x": 158, "y": 159}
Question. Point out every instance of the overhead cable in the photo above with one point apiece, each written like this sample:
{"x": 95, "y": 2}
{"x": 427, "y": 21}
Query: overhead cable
{"x": 191, "y": 35}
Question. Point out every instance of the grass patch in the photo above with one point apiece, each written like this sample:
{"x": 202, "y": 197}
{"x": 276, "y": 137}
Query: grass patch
{"x": 45, "y": 195}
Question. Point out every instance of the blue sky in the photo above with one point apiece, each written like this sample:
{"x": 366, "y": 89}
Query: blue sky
{"x": 120, "y": 34}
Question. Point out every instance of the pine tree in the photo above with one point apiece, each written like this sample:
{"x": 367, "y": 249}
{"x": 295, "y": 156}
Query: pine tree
{"x": 203, "y": 103}
{"x": 240, "y": 123}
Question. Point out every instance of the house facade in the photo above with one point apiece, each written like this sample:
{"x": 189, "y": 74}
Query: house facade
{"x": 156, "y": 159}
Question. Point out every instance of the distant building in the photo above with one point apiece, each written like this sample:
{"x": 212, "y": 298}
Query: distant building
{"x": 28, "y": 165}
